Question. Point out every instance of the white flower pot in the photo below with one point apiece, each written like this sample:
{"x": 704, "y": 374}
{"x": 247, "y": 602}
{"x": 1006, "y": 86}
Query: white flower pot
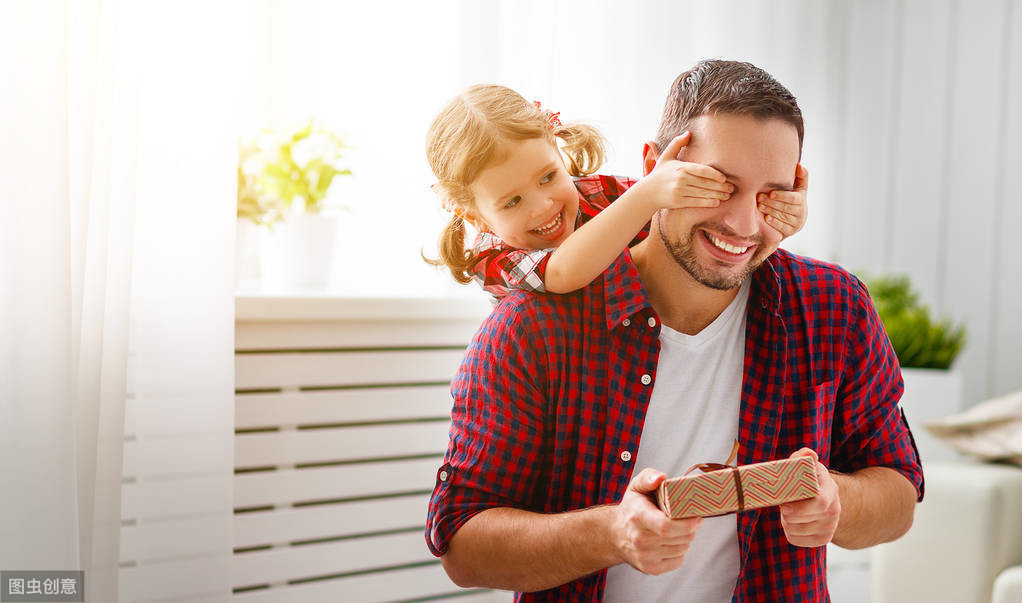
{"x": 296, "y": 256}
{"x": 931, "y": 394}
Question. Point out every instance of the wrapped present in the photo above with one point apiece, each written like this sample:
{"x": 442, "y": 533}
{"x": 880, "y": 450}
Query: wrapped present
{"x": 722, "y": 489}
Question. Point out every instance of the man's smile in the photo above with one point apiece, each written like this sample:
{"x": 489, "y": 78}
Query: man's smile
{"x": 731, "y": 251}
{"x": 722, "y": 244}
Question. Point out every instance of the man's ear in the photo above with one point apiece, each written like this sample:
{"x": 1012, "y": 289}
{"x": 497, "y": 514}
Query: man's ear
{"x": 650, "y": 154}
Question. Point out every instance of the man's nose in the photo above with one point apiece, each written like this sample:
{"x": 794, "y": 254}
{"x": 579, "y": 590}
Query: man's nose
{"x": 741, "y": 214}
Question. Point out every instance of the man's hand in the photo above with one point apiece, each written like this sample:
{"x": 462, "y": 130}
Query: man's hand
{"x": 645, "y": 537}
{"x": 812, "y": 522}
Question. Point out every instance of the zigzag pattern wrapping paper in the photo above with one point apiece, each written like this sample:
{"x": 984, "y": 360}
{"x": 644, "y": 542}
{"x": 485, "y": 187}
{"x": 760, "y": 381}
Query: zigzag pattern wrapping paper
{"x": 763, "y": 485}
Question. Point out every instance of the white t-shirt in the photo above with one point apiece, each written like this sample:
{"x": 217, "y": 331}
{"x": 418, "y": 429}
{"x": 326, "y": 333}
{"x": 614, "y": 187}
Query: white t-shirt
{"x": 693, "y": 418}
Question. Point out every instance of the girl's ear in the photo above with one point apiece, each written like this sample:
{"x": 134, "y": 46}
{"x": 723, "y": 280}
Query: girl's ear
{"x": 472, "y": 219}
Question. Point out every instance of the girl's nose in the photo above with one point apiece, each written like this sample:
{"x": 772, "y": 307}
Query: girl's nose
{"x": 542, "y": 207}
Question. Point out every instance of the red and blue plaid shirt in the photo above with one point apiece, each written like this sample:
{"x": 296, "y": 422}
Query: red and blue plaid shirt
{"x": 552, "y": 392}
{"x": 500, "y": 268}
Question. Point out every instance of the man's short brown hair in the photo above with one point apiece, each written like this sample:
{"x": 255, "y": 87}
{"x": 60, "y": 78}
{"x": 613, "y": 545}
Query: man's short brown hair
{"x": 716, "y": 86}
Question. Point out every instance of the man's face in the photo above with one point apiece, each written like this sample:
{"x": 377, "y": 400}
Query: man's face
{"x": 721, "y": 246}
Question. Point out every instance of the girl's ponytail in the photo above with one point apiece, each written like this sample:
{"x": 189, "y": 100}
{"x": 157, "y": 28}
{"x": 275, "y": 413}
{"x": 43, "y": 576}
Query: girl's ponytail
{"x": 582, "y": 146}
{"x": 453, "y": 254}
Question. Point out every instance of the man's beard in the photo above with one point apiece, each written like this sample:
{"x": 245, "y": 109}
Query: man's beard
{"x": 684, "y": 253}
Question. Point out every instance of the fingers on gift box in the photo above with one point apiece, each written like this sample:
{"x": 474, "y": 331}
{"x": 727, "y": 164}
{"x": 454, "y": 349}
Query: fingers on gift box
{"x": 724, "y": 489}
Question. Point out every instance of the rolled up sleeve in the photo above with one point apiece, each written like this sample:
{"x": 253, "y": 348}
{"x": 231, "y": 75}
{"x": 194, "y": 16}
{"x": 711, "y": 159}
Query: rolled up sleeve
{"x": 496, "y": 435}
{"x": 871, "y": 429}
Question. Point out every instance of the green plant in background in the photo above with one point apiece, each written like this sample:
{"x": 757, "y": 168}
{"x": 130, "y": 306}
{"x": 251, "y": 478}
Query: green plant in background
{"x": 274, "y": 172}
{"x": 919, "y": 340}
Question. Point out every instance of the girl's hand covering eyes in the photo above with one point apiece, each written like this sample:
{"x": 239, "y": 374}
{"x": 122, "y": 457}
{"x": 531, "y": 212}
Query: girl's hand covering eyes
{"x": 674, "y": 184}
{"x": 786, "y": 211}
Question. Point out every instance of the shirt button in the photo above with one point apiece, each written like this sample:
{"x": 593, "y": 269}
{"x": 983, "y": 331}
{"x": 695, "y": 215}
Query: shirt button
{"x": 651, "y": 321}
{"x": 626, "y": 456}
{"x": 646, "y": 379}
{"x": 443, "y": 476}
{"x": 626, "y": 322}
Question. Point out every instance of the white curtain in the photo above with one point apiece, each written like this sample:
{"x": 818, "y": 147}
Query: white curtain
{"x": 117, "y": 181}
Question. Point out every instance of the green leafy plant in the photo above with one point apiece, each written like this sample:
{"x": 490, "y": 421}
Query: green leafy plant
{"x": 275, "y": 172}
{"x": 919, "y": 340}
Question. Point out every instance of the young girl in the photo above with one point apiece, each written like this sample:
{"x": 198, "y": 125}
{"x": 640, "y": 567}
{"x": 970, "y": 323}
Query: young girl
{"x": 498, "y": 167}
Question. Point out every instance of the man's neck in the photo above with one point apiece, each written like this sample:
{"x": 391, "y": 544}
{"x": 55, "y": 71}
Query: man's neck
{"x": 683, "y": 303}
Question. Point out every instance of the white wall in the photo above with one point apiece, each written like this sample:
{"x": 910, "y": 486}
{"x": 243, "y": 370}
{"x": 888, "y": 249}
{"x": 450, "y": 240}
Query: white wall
{"x": 930, "y": 146}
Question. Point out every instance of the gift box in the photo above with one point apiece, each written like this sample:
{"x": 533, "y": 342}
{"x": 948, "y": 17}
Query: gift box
{"x": 724, "y": 489}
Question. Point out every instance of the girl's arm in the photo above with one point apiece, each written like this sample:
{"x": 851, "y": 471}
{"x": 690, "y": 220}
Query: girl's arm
{"x": 588, "y": 251}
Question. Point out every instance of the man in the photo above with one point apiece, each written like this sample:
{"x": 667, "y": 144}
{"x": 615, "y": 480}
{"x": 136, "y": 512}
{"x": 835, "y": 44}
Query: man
{"x": 569, "y": 410}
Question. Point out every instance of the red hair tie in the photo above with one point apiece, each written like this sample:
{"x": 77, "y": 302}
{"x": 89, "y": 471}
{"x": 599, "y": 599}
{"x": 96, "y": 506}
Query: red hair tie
{"x": 553, "y": 120}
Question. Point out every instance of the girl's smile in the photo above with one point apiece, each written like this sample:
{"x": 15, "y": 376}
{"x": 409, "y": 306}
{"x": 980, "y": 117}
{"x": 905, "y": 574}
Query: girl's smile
{"x": 552, "y": 229}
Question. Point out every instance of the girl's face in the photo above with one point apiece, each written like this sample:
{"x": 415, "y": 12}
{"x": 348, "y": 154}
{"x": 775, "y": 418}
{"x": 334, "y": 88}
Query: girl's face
{"x": 530, "y": 200}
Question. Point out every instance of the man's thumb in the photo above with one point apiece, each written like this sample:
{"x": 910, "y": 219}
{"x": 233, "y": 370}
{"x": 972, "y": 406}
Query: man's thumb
{"x": 805, "y": 452}
{"x": 646, "y": 481}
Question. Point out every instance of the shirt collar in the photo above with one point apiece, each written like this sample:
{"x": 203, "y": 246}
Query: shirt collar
{"x": 625, "y": 296}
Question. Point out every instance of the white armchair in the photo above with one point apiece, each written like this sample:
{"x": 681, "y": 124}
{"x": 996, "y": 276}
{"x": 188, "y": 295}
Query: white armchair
{"x": 965, "y": 545}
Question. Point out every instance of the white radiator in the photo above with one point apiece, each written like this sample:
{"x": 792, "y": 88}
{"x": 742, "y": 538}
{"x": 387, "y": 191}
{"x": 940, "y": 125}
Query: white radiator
{"x": 342, "y": 413}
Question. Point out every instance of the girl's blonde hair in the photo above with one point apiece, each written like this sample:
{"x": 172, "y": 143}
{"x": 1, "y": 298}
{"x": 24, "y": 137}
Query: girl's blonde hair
{"x": 471, "y": 133}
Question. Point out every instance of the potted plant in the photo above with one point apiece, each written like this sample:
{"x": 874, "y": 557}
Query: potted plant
{"x": 926, "y": 348}
{"x": 283, "y": 183}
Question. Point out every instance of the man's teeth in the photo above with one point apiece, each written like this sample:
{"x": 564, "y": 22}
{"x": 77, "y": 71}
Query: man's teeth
{"x": 726, "y": 247}
{"x": 550, "y": 226}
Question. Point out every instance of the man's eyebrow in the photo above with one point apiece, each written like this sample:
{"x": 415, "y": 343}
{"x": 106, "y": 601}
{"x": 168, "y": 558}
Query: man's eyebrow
{"x": 778, "y": 186}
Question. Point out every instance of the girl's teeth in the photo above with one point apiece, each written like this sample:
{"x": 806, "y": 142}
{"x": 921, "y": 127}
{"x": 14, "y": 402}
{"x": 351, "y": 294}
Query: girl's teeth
{"x": 726, "y": 247}
{"x": 556, "y": 222}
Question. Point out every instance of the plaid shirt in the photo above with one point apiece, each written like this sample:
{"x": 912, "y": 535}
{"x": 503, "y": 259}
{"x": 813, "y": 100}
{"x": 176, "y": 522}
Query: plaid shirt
{"x": 500, "y": 268}
{"x": 554, "y": 388}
